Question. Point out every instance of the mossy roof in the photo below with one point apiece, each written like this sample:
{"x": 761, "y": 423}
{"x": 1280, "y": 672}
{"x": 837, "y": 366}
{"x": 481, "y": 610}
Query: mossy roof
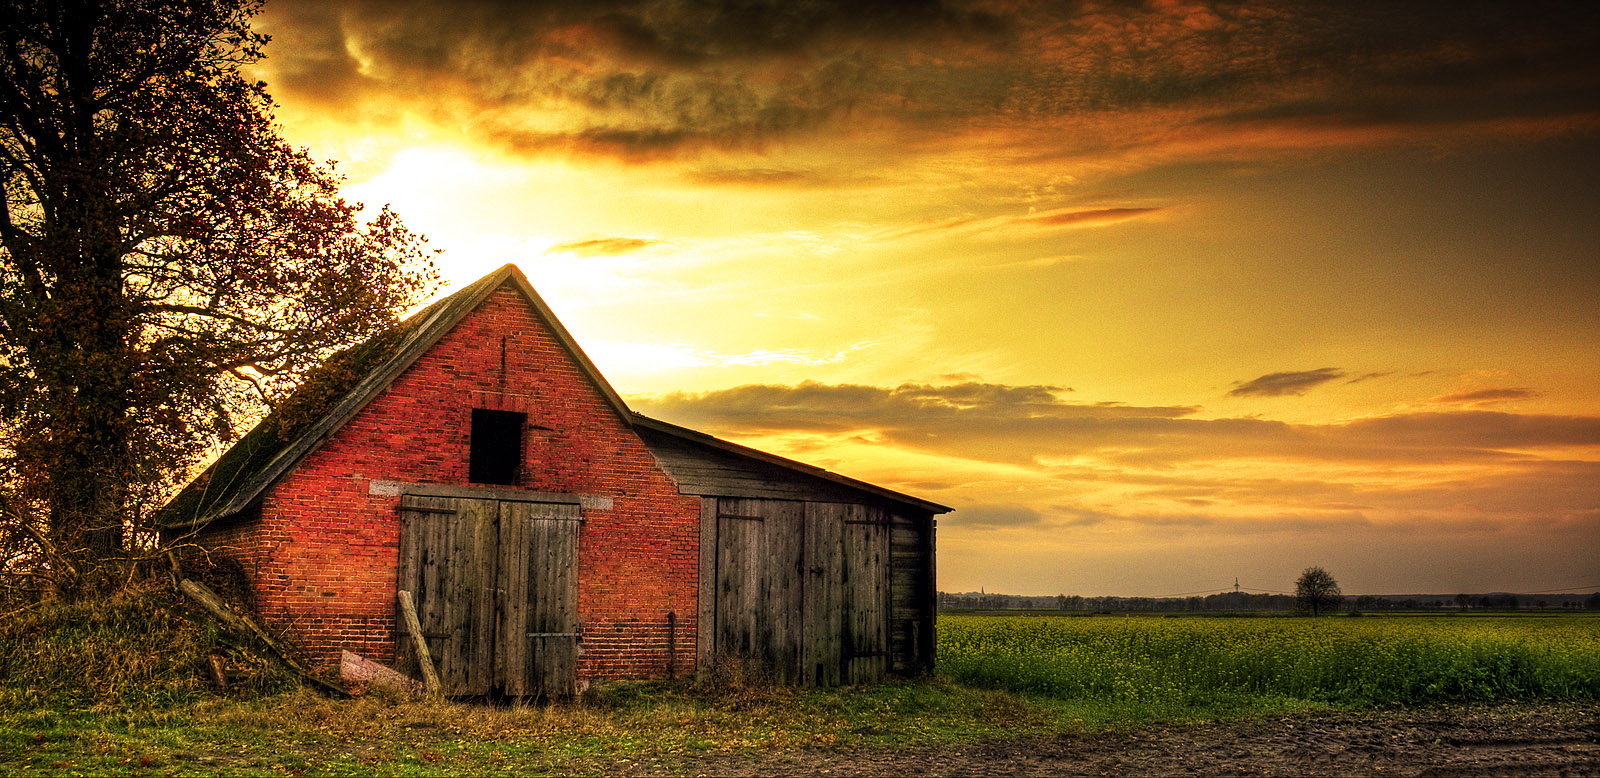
{"x": 333, "y": 393}
{"x": 339, "y": 388}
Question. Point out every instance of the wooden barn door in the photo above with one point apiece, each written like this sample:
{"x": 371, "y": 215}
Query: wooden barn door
{"x": 759, "y": 583}
{"x": 803, "y": 587}
{"x": 495, "y": 584}
{"x": 537, "y": 654}
{"x": 448, "y": 563}
{"x": 864, "y": 649}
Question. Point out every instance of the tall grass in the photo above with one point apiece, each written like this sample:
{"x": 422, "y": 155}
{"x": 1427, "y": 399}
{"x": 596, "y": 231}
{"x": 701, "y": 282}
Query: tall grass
{"x": 1198, "y": 662}
{"x": 137, "y": 649}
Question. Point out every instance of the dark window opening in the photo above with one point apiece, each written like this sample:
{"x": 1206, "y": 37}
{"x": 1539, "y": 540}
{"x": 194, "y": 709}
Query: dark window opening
{"x": 496, "y": 446}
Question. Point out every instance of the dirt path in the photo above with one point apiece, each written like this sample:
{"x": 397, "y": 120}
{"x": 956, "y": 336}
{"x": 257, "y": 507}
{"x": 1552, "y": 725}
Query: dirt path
{"x": 1504, "y": 740}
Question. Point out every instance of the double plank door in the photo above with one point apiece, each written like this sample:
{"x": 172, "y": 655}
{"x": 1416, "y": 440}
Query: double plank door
{"x": 802, "y": 588}
{"x": 496, "y": 589}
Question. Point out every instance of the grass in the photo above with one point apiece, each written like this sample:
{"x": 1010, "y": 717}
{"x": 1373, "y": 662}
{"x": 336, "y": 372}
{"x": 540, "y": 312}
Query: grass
{"x": 655, "y": 724}
{"x": 1003, "y": 677}
{"x": 1177, "y": 666}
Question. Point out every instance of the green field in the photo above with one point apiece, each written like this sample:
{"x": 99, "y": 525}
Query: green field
{"x": 117, "y": 689}
{"x": 1169, "y": 666}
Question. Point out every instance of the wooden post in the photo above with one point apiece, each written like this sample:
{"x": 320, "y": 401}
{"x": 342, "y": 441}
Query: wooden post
{"x": 408, "y": 611}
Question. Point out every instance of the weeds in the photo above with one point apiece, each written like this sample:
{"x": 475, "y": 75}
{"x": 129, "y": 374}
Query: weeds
{"x": 137, "y": 649}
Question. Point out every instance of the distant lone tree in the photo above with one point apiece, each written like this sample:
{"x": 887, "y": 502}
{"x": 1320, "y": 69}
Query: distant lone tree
{"x": 168, "y": 264}
{"x": 1317, "y": 590}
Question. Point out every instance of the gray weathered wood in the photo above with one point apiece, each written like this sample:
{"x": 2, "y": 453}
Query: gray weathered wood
{"x": 419, "y": 644}
{"x": 539, "y": 627}
{"x": 706, "y": 609}
{"x": 907, "y": 571}
{"x": 449, "y": 564}
{"x": 865, "y": 605}
{"x": 822, "y": 614}
{"x": 487, "y": 493}
{"x": 703, "y": 464}
{"x": 764, "y": 613}
{"x": 496, "y": 592}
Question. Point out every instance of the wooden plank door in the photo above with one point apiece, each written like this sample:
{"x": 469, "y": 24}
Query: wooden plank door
{"x": 760, "y": 583}
{"x": 803, "y": 588}
{"x": 537, "y": 625}
{"x": 864, "y": 649}
{"x": 823, "y": 612}
{"x": 449, "y": 564}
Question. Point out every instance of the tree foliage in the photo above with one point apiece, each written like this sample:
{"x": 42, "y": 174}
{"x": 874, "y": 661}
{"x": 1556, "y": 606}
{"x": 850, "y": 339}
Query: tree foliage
{"x": 1316, "y": 590}
{"x": 167, "y": 262}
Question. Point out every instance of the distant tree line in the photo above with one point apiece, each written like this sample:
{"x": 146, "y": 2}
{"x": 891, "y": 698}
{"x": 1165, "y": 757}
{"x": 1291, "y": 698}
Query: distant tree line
{"x": 1246, "y": 601}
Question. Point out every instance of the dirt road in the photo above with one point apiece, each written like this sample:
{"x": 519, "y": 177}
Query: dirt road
{"x": 1502, "y": 740}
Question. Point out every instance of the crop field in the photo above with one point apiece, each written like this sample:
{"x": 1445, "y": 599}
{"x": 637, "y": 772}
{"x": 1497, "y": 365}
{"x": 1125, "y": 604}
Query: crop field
{"x": 82, "y": 692}
{"x": 1173, "y": 664}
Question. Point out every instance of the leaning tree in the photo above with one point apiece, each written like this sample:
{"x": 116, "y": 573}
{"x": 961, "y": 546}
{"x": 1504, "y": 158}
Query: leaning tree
{"x": 167, "y": 261}
{"x": 1316, "y": 590}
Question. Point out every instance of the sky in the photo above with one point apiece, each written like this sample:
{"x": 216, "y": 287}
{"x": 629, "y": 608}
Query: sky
{"x": 1155, "y": 295}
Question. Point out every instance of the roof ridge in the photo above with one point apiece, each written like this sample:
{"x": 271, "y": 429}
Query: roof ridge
{"x": 258, "y": 459}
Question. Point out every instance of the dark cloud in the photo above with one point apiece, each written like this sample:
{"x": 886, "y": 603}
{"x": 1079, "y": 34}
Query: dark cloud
{"x": 1022, "y": 424}
{"x": 602, "y": 246}
{"x": 1487, "y": 396}
{"x": 811, "y": 406}
{"x": 1369, "y": 376}
{"x": 1292, "y": 383}
{"x": 642, "y": 79}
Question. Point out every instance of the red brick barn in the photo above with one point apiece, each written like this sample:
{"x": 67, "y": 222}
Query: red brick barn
{"x": 550, "y": 536}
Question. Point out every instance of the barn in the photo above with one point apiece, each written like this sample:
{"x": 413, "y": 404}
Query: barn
{"x": 550, "y": 536}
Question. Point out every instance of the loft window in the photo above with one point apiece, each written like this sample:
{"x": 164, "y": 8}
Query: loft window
{"x": 496, "y": 446}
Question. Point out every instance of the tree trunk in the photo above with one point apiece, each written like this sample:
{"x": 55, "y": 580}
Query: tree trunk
{"x": 82, "y": 352}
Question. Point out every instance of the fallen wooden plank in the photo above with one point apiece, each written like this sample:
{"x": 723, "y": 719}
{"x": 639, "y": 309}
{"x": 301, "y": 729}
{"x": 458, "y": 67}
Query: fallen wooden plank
{"x": 354, "y": 668}
{"x": 245, "y": 627}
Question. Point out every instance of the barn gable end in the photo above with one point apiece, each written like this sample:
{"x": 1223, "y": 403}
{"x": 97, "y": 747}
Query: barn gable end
{"x": 369, "y": 484}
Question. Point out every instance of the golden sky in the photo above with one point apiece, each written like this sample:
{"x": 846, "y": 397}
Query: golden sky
{"x": 1156, "y": 295}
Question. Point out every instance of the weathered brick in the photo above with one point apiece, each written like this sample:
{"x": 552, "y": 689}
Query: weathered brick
{"x": 324, "y": 552}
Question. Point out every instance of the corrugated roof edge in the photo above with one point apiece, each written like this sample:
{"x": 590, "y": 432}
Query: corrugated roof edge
{"x": 695, "y": 436}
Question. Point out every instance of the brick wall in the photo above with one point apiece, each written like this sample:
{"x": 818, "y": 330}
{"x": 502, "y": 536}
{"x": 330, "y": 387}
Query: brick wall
{"x": 325, "y": 549}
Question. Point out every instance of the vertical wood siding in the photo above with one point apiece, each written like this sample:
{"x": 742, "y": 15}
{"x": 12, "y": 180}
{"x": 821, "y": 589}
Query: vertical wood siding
{"x": 496, "y": 588}
{"x": 802, "y": 588}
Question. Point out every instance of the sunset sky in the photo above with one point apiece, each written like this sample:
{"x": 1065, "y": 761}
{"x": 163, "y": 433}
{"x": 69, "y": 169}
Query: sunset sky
{"x": 1155, "y": 295}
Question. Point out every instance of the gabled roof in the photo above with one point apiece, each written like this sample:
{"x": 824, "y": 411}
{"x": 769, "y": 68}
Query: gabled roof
{"x": 338, "y": 389}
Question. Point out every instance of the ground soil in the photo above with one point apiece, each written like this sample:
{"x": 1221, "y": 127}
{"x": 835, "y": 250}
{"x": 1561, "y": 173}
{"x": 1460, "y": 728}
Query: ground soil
{"x": 1500, "y": 740}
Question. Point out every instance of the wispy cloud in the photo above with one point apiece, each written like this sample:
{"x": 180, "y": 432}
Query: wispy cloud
{"x": 602, "y": 246}
{"x": 1487, "y": 396}
{"x": 1290, "y": 383}
{"x": 1089, "y": 218}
